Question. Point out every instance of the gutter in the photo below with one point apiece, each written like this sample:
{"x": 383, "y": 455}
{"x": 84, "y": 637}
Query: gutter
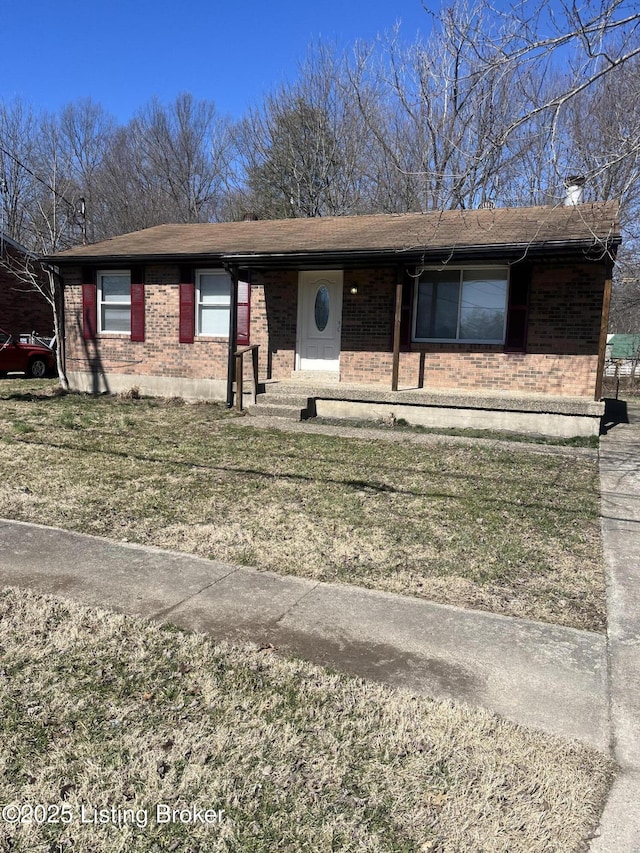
{"x": 346, "y": 257}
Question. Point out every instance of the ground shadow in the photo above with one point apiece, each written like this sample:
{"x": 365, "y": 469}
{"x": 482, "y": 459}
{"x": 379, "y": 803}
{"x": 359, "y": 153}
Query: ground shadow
{"x": 615, "y": 414}
{"x": 99, "y": 383}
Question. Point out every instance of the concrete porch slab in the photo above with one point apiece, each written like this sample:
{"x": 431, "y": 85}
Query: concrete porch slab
{"x": 563, "y": 417}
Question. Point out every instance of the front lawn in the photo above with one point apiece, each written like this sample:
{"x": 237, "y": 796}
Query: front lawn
{"x": 509, "y": 531}
{"x": 112, "y": 725}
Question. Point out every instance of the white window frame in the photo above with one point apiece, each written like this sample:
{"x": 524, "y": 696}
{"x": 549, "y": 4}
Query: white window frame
{"x": 460, "y": 268}
{"x": 222, "y": 307}
{"x": 101, "y": 302}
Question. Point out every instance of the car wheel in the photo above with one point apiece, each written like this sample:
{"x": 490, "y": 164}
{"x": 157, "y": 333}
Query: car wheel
{"x": 37, "y": 368}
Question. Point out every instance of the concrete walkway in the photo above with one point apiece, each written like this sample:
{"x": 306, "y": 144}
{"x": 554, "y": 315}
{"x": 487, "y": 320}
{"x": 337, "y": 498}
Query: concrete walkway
{"x": 620, "y": 484}
{"x": 541, "y": 675}
{"x": 575, "y": 684}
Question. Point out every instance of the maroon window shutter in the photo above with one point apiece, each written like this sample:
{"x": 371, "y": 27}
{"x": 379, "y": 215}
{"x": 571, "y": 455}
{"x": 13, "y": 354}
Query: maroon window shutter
{"x": 137, "y": 311}
{"x": 137, "y": 304}
{"x": 406, "y": 316}
{"x": 518, "y": 309}
{"x": 187, "y": 312}
{"x": 244, "y": 314}
{"x": 89, "y": 307}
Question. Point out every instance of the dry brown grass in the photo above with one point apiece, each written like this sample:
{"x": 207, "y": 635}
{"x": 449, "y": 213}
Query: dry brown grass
{"x": 105, "y": 711}
{"x": 509, "y": 531}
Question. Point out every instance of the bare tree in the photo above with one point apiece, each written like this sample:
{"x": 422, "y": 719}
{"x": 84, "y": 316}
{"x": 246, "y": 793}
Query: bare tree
{"x": 438, "y": 108}
{"x": 457, "y": 112}
{"x": 54, "y": 212}
{"x": 494, "y": 104}
{"x": 183, "y": 155}
{"x": 601, "y": 129}
{"x": 625, "y": 297}
{"x": 130, "y": 198}
{"x": 18, "y": 129}
{"x": 168, "y": 164}
{"x": 303, "y": 153}
{"x": 39, "y": 187}
{"x": 86, "y": 132}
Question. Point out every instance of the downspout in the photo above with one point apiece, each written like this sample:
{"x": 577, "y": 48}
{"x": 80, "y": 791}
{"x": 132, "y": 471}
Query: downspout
{"x": 232, "y": 269}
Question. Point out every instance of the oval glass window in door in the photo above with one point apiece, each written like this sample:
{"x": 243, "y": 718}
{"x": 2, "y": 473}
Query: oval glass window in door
{"x": 321, "y": 310}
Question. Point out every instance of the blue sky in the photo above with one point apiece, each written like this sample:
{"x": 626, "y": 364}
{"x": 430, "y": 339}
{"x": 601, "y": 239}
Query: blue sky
{"x": 123, "y": 52}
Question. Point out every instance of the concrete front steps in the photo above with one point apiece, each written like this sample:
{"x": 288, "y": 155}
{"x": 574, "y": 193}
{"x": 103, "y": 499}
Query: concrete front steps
{"x": 276, "y": 401}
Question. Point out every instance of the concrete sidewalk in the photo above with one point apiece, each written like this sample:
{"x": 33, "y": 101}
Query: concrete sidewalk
{"x": 540, "y": 675}
{"x": 620, "y": 485}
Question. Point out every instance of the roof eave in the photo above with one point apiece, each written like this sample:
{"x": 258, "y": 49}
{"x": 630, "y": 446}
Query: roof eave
{"x": 348, "y": 257}
{"x": 441, "y": 254}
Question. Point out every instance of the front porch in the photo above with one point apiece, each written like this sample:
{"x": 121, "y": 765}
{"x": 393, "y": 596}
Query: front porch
{"x": 562, "y": 417}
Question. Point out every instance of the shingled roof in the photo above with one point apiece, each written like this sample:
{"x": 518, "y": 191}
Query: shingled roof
{"x": 407, "y": 235}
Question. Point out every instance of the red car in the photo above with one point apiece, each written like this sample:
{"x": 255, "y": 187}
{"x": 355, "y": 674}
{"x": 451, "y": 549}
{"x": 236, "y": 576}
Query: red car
{"x": 34, "y": 360}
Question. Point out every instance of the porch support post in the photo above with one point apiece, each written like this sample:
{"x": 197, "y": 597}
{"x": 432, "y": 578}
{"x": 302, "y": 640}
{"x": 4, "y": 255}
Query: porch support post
{"x": 396, "y": 329}
{"x": 604, "y": 325}
{"x": 232, "y": 269}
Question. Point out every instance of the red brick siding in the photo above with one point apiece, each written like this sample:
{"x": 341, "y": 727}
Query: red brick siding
{"x": 23, "y": 309}
{"x": 160, "y": 354}
{"x": 563, "y": 375}
{"x": 274, "y": 319}
{"x": 562, "y": 348}
{"x": 565, "y": 309}
{"x": 561, "y": 357}
{"x": 367, "y": 316}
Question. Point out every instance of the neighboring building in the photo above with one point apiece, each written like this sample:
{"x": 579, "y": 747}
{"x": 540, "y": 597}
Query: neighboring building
{"x": 23, "y": 309}
{"x": 623, "y": 355}
{"x": 432, "y": 317}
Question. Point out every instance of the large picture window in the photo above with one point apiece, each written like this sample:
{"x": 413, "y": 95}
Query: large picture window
{"x": 467, "y": 304}
{"x": 213, "y": 302}
{"x": 114, "y": 301}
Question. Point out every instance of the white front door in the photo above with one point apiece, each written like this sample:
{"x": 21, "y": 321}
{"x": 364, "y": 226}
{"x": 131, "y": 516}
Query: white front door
{"x": 319, "y": 320}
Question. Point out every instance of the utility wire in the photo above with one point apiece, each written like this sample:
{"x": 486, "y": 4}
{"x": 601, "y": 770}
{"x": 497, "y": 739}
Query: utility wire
{"x": 37, "y": 177}
{"x": 81, "y": 211}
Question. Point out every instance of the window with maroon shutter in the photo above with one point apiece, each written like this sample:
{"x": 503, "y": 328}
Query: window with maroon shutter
{"x": 89, "y": 309}
{"x": 187, "y": 312}
{"x": 244, "y": 314}
{"x": 518, "y": 309}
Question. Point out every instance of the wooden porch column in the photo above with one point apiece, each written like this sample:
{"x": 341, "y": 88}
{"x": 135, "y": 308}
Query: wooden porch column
{"x": 604, "y": 325}
{"x": 232, "y": 269}
{"x": 396, "y": 330}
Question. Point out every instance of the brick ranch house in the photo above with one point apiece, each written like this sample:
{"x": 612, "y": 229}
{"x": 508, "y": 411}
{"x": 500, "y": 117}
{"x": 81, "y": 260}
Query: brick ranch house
{"x": 492, "y": 317}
